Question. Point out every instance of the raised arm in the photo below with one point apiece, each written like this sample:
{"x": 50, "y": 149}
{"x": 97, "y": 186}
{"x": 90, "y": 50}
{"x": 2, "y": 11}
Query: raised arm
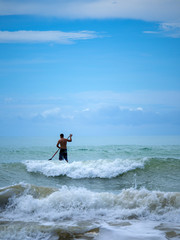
{"x": 69, "y": 139}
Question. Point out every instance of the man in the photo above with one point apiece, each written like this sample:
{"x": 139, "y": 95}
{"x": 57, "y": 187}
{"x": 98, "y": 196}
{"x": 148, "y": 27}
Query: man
{"x": 62, "y": 145}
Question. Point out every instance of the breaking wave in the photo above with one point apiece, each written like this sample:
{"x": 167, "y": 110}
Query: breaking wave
{"x": 31, "y": 203}
{"x": 88, "y": 169}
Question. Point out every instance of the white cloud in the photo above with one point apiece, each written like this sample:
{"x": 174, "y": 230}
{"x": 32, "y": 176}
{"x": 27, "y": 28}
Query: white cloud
{"x": 151, "y": 32}
{"x": 96, "y": 112}
{"x": 149, "y": 10}
{"x": 45, "y": 36}
{"x": 100, "y": 98}
{"x": 114, "y": 115}
{"x": 171, "y": 29}
{"x": 139, "y": 109}
{"x": 50, "y": 112}
{"x": 70, "y": 117}
{"x": 86, "y": 110}
{"x": 136, "y": 109}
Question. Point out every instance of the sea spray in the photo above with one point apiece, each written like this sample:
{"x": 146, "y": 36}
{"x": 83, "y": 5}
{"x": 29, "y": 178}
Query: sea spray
{"x": 81, "y": 204}
{"x": 101, "y": 168}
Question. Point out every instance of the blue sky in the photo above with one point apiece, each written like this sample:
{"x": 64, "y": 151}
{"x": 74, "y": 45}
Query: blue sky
{"x": 93, "y": 68}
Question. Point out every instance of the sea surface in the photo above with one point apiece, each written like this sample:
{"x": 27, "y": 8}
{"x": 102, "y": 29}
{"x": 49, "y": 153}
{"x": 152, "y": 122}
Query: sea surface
{"x": 104, "y": 192}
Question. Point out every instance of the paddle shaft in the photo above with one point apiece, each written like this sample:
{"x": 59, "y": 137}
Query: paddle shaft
{"x": 54, "y": 155}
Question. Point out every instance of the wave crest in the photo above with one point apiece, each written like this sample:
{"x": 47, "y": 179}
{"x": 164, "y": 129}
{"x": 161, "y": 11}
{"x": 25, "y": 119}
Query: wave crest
{"x": 82, "y": 204}
{"x": 88, "y": 169}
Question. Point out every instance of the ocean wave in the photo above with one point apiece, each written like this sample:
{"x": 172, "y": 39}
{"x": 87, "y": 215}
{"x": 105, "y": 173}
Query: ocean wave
{"x": 100, "y": 168}
{"x": 31, "y": 203}
{"x": 7, "y": 193}
{"x": 32, "y": 231}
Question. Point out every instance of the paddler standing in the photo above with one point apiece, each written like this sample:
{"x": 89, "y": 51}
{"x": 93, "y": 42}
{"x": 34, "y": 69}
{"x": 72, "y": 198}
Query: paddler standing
{"x": 62, "y": 145}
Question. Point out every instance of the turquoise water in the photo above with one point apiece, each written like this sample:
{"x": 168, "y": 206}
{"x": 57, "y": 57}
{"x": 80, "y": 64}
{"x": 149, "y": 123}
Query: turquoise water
{"x": 104, "y": 191}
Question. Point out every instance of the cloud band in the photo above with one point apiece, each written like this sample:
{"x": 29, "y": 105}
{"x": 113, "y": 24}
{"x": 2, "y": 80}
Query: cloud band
{"x": 149, "y": 10}
{"x": 45, "y": 36}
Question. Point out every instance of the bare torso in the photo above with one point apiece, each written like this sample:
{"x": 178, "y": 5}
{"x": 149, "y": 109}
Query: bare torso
{"x": 62, "y": 143}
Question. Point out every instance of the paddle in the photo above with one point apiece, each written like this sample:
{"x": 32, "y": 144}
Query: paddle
{"x": 54, "y": 155}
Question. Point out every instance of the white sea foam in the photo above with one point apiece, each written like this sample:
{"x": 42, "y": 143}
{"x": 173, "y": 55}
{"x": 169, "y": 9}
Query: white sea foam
{"x": 76, "y": 204}
{"x": 101, "y": 168}
{"x": 137, "y": 231}
{"x": 19, "y": 231}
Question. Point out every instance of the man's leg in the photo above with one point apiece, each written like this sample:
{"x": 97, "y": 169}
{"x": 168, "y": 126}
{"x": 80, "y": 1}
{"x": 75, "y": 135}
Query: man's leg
{"x": 60, "y": 155}
{"x": 65, "y": 155}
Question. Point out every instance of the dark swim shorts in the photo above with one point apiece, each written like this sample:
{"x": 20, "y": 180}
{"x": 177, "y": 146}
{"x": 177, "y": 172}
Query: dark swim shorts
{"x": 63, "y": 154}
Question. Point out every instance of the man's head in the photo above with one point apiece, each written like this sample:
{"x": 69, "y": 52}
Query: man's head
{"x": 61, "y": 135}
